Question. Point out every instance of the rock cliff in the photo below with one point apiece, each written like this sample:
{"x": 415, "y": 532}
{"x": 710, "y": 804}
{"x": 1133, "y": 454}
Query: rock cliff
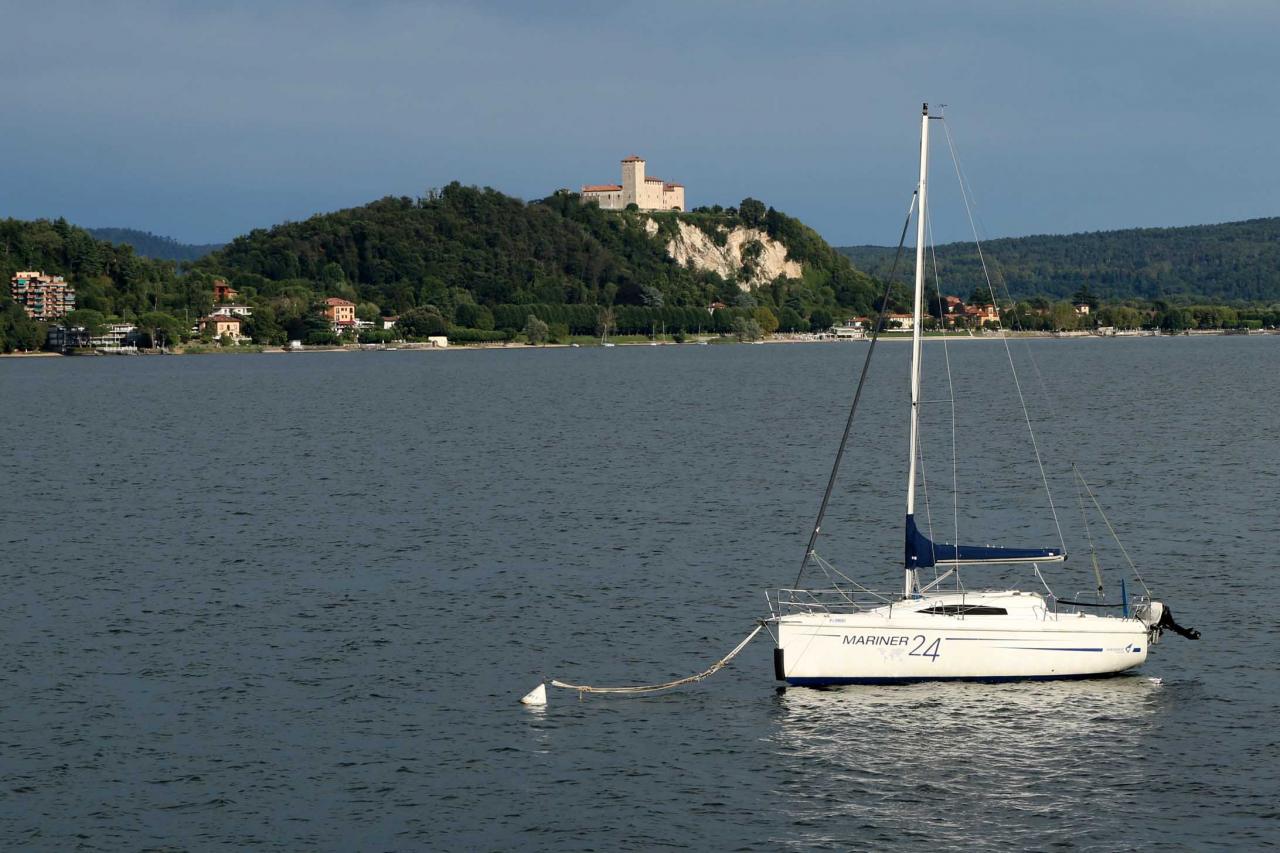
{"x": 749, "y": 256}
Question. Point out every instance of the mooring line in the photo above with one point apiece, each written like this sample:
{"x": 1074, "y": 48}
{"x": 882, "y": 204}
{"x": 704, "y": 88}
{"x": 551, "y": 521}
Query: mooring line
{"x": 539, "y": 692}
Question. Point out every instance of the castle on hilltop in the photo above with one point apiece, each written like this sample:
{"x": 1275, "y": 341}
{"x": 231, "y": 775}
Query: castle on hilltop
{"x": 644, "y": 192}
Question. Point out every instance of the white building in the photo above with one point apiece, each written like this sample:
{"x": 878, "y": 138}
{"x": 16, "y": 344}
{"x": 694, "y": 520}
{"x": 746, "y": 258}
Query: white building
{"x": 644, "y": 192}
{"x": 230, "y": 309}
{"x": 114, "y": 337}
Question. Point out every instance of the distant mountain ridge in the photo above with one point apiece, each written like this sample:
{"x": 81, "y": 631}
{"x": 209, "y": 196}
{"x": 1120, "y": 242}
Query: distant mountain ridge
{"x": 150, "y": 245}
{"x": 1228, "y": 262}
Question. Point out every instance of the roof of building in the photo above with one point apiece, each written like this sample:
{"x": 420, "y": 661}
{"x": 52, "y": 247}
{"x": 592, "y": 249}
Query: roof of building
{"x": 222, "y": 318}
{"x": 634, "y": 158}
{"x": 335, "y": 301}
{"x": 670, "y": 185}
{"x": 600, "y": 188}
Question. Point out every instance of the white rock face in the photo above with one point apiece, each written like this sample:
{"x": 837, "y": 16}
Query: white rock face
{"x": 692, "y": 246}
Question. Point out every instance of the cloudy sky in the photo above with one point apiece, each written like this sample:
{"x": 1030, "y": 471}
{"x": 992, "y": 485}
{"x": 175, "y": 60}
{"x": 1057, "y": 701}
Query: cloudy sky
{"x": 201, "y": 121}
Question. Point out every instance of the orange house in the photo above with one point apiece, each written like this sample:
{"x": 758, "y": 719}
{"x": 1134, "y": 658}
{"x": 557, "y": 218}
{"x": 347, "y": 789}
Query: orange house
{"x": 980, "y": 314}
{"x": 340, "y": 313}
{"x": 223, "y": 292}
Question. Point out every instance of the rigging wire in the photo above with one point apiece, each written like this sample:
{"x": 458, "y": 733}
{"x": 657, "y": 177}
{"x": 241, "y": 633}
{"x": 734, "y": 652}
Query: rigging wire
{"x": 857, "y": 394}
{"x": 1093, "y": 551}
{"x": 928, "y": 509}
{"x": 966, "y": 190}
{"x": 951, "y": 388}
{"x": 1114, "y": 535}
{"x": 1017, "y": 383}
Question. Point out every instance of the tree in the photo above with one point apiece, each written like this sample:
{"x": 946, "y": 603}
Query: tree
{"x": 1062, "y": 317}
{"x": 765, "y": 319}
{"x": 820, "y": 320}
{"x": 1125, "y": 317}
{"x": 332, "y": 274}
{"x": 1084, "y": 295}
{"x": 751, "y": 212}
{"x": 474, "y": 316}
{"x": 320, "y": 337}
{"x": 746, "y": 329}
{"x": 605, "y": 322}
{"x": 164, "y": 330}
{"x": 535, "y": 330}
{"x": 17, "y": 330}
{"x": 980, "y": 295}
{"x": 93, "y": 323}
{"x": 424, "y": 322}
{"x": 789, "y": 320}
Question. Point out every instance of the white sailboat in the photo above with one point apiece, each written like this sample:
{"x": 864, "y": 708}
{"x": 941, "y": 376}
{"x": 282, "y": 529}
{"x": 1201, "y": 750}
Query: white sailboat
{"x": 846, "y": 634}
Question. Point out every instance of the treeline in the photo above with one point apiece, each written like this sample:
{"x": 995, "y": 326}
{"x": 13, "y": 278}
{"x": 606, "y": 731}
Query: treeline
{"x": 639, "y": 320}
{"x": 1234, "y": 262}
{"x": 108, "y": 278}
{"x": 1039, "y": 315}
{"x": 148, "y": 245}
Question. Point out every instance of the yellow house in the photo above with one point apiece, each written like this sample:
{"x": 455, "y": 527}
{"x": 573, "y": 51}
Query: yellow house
{"x": 218, "y": 325}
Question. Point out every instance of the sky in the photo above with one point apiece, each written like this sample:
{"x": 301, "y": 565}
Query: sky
{"x": 203, "y": 121}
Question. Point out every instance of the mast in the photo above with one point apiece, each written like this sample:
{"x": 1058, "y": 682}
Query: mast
{"x": 909, "y": 583}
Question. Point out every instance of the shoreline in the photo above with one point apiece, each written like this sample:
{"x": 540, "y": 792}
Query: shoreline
{"x": 772, "y": 341}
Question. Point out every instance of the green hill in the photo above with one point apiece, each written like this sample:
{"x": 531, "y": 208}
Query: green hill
{"x": 469, "y": 245}
{"x": 1230, "y": 263}
{"x": 150, "y": 245}
{"x": 467, "y": 260}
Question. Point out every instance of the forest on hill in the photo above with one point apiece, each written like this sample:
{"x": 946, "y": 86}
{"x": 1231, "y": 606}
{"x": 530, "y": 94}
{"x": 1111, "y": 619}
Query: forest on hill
{"x": 150, "y": 245}
{"x": 1234, "y": 262}
{"x": 465, "y": 260}
{"x": 469, "y": 245}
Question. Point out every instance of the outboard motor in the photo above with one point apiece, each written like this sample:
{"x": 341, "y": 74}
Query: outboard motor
{"x": 1158, "y": 616}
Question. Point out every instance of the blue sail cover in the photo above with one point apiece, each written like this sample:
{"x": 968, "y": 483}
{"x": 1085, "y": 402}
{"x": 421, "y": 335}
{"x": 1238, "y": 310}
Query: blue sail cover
{"x": 923, "y": 552}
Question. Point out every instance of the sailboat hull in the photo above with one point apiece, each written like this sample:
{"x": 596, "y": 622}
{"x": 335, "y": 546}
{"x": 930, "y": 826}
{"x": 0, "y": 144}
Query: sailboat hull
{"x": 1014, "y": 636}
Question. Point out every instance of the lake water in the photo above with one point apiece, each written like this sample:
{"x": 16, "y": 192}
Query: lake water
{"x": 290, "y": 602}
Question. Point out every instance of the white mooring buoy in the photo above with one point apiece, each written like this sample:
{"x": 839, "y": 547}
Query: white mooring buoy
{"x": 536, "y": 696}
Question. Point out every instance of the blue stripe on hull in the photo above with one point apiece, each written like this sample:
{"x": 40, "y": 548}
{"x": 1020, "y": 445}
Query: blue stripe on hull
{"x": 985, "y": 679}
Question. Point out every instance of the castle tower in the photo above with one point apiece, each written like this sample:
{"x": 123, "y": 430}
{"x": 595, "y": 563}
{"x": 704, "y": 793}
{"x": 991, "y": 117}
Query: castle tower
{"x": 632, "y": 180}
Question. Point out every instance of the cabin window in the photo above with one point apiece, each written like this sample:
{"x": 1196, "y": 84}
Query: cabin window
{"x": 964, "y": 610}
